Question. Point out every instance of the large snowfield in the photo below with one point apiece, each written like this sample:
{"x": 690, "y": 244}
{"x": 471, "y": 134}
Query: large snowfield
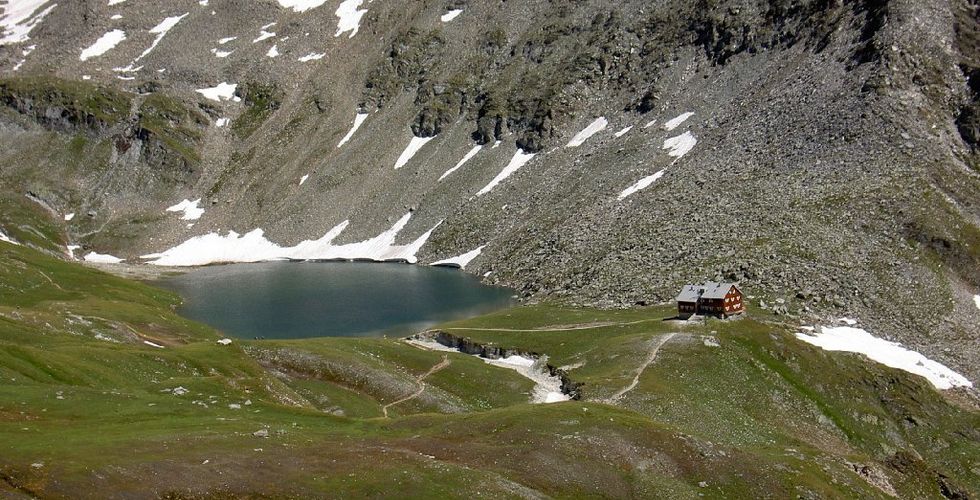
{"x": 253, "y": 246}
{"x": 853, "y": 339}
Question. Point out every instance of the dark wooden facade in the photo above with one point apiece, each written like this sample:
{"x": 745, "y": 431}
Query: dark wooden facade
{"x": 711, "y": 299}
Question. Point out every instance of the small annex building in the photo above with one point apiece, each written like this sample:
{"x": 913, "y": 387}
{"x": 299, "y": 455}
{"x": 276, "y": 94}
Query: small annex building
{"x": 710, "y": 299}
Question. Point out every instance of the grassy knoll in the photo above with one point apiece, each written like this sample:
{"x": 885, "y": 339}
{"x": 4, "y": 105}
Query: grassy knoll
{"x": 89, "y": 408}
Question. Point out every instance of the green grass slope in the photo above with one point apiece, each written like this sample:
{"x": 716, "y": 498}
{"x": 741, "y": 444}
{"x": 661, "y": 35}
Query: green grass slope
{"x": 89, "y": 408}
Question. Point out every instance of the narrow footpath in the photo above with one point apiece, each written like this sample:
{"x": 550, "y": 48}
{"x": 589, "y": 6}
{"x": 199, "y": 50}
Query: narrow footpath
{"x": 421, "y": 383}
{"x": 651, "y": 356}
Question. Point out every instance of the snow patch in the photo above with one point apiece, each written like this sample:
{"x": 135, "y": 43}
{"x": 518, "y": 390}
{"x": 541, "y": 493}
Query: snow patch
{"x": 263, "y": 34}
{"x": 273, "y": 51}
{"x": 301, "y": 5}
{"x": 8, "y": 239}
{"x": 598, "y": 125}
{"x": 221, "y": 91}
{"x": 19, "y": 18}
{"x": 641, "y": 184}
{"x": 158, "y": 346}
{"x": 221, "y": 122}
{"x": 71, "y": 251}
{"x": 851, "y": 339}
{"x": 26, "y": 52}
{"x": 350, "y": 17}
{"x": 623, "y": 131}
{"x": 677, "y": 121}
{"x": 69, "y": 217}
{"x": 160, "y": 30}
{"x": 976, "y": 301}
{"x": 460, "y": 261}
{"x": 358, "y": 120}
{"x": 99, "y": 258}
{"x": 254, "y": 247}
{"x": 303, "y": 179}
{"x": 547, "y": 387}
{"x": 190, "y": 209}
{"x": 519, "y": 159}
{"x": 680, "y": 145}
{"x": 226, "y": 40}
{"x": 650, "y": 123}
{"x": 449, "y": 16}
{"x": 413, "y": 147}
{"x": 105, "y": 43}
{"x": 115, "y": 17}
{"x": 225, "y": 341}
{"x": 312, "y": 56}
{"x": 221, "y": 53}
{"x": 470, "y": 154}
{"x": 115, "y": 2}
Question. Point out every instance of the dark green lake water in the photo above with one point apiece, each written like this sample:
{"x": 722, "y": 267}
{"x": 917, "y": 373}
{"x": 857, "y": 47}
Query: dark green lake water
{"x": 289, "y": 300}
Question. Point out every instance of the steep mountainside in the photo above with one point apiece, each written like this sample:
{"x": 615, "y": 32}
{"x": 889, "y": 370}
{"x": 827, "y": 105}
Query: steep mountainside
{"x": 824, "y": 153}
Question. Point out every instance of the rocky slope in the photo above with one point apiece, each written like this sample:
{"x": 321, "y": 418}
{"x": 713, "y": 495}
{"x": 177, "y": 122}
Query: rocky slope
{"x": 823, "y": 153}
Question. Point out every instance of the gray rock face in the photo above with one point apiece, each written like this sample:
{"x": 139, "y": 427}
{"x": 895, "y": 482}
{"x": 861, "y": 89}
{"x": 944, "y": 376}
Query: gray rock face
{"x": 835, "y": 162}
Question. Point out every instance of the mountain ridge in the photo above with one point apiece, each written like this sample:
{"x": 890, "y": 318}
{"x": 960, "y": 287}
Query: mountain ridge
{"x": 834, "y": 166}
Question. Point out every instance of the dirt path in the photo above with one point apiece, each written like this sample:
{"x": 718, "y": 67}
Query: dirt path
{"x": 420, "y": 381}
{"x": 652, "y": 355}
{"x": 562, "y": 328}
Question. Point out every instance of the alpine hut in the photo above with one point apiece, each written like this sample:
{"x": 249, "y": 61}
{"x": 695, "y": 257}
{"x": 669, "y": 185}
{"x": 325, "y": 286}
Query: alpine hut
{"x": 710, "y": 299}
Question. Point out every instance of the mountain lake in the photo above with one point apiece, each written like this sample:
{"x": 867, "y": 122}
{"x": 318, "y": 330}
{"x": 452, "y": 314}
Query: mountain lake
{"x": 289, "y": 300}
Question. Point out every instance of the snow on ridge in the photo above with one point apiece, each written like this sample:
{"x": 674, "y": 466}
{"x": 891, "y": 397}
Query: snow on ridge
{"x": 680, "y": 145}
{"x": 470, "y": 154}
{"x": 221, "y": 91}
{"x": 301, "y": 5}
{"x": 519, "y": 159}
{"x": 19, "y": 17}
{"x": 449, "y": 16}
{"x": 852, "y": 339}
{"x": 214, "y": 248}
{"x": 104, "y": 44}
{"x": 460, "y": 261}
{"x": 312, "y": 56}
{"x": 190, "y": 209}
{"x": 598, "y": 125}
{"x": 413, "y": 147}
{"x": 641, "y": 184}
{"x": 624, "y": 131}
{"x": 350, "y": 17}
{"x": 677, "y": 121}
{"x": 99, "y": 258}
